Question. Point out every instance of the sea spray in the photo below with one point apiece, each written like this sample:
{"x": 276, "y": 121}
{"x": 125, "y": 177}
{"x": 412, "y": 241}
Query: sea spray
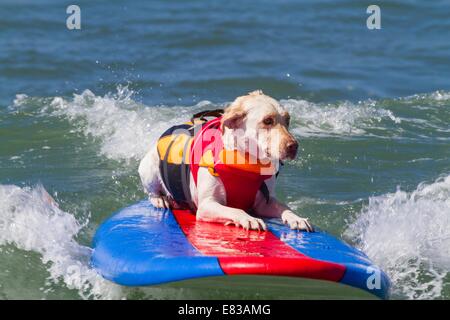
{"x": 343, "y": 119}
{"x": 408, "y": 235}
{"x": 125, "y": 128}
{"x": 32, "y": 221}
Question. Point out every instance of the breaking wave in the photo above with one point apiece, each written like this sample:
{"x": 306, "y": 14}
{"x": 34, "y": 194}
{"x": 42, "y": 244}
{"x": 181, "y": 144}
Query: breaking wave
{"x": 408, "y": 234}
{"x": 31, "y": 220}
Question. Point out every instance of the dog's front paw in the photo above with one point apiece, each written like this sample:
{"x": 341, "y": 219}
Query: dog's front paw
{"x": 161, "y": 202}
{"x": 295, "y": 222}
{"x": 248, "y": 222}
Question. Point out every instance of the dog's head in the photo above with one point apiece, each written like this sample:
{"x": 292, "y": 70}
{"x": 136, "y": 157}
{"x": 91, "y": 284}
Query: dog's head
{"x": 256, "y": 123}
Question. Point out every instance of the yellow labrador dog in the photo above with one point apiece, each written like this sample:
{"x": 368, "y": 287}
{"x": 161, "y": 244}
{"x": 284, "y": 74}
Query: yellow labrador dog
{"x": 254, "y": 120}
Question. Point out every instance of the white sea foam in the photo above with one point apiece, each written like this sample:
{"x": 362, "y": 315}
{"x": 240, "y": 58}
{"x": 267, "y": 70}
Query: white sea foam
{"x": 20, "y": 98}
{"x": 344, "y": 119}
{"x": 126, "y": 129}
{"x": 408, "y": 234}
{"x": 31, "y": 220}
{"x": 436, "y": 96}
{"x": 440, "y": 95}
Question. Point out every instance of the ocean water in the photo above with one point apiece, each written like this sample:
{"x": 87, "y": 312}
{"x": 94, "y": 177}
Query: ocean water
{"x": 78, "y": 109}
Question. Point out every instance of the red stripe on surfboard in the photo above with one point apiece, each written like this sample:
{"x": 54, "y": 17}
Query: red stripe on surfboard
{"x": 252, "y": 252}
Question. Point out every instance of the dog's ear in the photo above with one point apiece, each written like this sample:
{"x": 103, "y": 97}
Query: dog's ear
{"x": 233, "y": 117}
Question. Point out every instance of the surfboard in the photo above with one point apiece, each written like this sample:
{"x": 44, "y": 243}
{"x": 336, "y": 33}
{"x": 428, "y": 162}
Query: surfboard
{"x": 141, "y": 245}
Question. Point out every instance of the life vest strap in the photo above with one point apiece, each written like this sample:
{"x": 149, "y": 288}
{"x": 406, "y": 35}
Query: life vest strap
{"x": 265, "y": 191}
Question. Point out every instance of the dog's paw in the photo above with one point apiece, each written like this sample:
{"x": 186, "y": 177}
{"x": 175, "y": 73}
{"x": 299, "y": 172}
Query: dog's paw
{"x": 161, "y": 202}
{"x": 295, "y": 222}
{"x": 248, "y": 223}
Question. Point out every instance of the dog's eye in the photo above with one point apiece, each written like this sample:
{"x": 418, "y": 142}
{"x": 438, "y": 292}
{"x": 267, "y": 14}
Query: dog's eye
{"x": 268, "y": 121}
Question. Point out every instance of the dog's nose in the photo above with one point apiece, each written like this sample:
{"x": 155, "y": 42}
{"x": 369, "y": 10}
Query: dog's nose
{"x": 292, "y": 148}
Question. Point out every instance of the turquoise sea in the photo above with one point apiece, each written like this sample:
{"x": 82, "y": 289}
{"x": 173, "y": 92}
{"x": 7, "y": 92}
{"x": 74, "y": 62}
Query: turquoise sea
{"x": 79, "y": 109}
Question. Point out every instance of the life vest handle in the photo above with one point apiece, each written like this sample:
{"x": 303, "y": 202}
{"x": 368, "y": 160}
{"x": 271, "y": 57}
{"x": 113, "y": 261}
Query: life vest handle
{"x": 216, "y": 113}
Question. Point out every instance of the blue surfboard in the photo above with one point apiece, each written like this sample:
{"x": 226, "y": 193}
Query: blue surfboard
{"x": 141, "y": 245}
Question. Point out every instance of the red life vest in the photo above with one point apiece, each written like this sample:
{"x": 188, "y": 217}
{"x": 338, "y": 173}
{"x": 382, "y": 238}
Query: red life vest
{"x": 241, "y": 175}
